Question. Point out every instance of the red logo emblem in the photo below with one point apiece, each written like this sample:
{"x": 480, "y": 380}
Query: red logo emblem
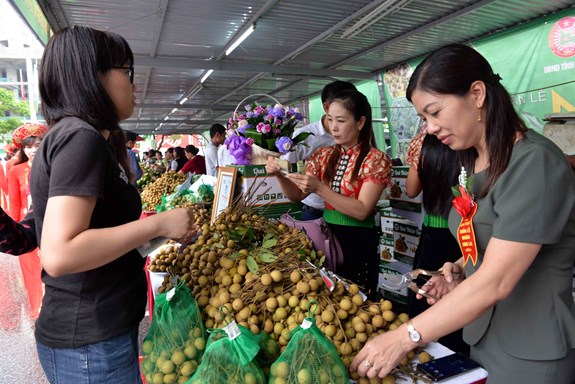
{"x": 562, "y": 37}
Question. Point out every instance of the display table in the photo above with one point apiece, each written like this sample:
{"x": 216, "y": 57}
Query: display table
{"x": 475, "y": 376}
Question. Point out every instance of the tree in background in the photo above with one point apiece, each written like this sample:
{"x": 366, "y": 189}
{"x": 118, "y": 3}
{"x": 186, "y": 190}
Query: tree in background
{"x": 18, "y": 108}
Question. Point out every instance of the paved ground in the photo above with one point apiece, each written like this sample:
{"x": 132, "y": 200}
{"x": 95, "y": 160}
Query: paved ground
{"x": 18, "y": 357}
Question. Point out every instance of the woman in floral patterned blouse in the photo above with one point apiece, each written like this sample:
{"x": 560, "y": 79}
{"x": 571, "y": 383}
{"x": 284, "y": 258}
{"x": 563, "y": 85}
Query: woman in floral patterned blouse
{"x": 350, "y": 176}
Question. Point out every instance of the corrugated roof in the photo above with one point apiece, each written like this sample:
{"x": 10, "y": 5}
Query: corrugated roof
{"x": 296, "y": 49}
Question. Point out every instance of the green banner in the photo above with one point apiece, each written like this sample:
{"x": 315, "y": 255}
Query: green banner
{"x": 536, "y": 62}
{"x": 32, "y": 13}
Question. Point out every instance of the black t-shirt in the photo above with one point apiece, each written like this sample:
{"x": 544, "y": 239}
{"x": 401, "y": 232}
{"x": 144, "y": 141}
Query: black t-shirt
{"x": 83, "y": 308}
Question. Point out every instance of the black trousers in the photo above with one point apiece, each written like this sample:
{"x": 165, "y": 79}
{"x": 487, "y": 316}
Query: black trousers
{"x": 361, "y": 256}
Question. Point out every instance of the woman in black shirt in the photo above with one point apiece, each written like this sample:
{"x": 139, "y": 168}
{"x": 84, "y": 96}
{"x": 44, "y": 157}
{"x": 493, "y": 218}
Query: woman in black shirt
{"x": 87, "y": 213}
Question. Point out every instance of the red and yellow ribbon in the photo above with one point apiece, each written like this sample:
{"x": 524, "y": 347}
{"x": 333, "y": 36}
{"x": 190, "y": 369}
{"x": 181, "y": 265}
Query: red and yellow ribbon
{"x": 466, "y": 237}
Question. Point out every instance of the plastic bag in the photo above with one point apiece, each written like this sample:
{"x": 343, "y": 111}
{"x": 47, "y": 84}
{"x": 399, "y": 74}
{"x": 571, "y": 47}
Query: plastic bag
{"x": 230, "y": 357}
{"x": 309, "y": 358}
{"x": 173, "y": 348}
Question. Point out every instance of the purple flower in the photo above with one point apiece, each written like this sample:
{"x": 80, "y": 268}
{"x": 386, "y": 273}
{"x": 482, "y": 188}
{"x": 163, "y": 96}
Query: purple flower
{"x": 277, "y": 131}
{"x": 266, "y": 128}
{"x": 239, "y": 149}
{"x": 259, "y": 127}
{"x": 259, "y": 110}
{"x": 284, "y": 144}
{"x": 278, "y": 121}
{"x": 249, "y": 114}
{"x": 250, "y": 141}
{"x": 278, "y": 111}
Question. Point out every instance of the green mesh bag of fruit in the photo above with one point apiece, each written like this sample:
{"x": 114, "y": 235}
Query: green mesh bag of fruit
{"x": 309, "y": 357}
{"x": 230, "y": 357}
{"x": 174, "y": 345}
{"x": 269, "y": 352}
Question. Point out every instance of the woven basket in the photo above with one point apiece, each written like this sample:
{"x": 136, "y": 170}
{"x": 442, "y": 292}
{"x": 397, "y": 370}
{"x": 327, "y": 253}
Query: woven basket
{"x": 260, "y": 155}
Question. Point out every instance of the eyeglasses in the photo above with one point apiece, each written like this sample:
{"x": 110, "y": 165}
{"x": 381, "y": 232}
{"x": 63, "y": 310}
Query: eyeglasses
{"x": 130, "y": 72}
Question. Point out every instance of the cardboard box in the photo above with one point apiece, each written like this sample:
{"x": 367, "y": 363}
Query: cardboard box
{"x": 394, "y": 268}
{"x": 387, "y": 220}
{"x": 405, "y": 241}
{"x": 397, "y": 197}
{"x": 386, "y": 247}
{"x": 264, "y": 191}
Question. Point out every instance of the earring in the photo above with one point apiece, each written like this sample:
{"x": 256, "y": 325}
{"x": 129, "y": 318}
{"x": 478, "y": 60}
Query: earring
{"x": 479, "y": 114}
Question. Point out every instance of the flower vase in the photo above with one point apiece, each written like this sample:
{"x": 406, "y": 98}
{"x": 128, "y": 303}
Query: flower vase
{"x": 260, "y": 155}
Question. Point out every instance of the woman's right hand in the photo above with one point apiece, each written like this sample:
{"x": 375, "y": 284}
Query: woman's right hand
{"x": 441, "y": 285}
{"x": 272, "y": 166}
{"x": 178, "y": 224}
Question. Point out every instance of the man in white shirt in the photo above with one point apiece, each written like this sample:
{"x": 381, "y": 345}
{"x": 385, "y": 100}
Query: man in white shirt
{"x": 217, "y": 138}
{"x": 313, "y": 205}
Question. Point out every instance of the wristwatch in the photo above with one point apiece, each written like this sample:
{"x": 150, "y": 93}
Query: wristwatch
{"x": 414, "y": 335}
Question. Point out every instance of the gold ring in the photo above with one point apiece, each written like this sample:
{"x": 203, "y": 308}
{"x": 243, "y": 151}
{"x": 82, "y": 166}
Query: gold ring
{"x": 368, "y": 364}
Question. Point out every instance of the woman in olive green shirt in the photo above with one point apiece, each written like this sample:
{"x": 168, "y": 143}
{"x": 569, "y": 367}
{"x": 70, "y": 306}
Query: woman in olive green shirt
{"x": 514, "y": 302}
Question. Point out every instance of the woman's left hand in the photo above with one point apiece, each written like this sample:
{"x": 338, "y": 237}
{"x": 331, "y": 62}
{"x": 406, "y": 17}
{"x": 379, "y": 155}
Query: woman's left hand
{"x": 382, "y": 353}
{"x": 307, "y": 183}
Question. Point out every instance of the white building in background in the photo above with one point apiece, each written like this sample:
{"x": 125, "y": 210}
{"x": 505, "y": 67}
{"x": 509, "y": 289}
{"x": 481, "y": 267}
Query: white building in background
{"x": 20, "y": 54}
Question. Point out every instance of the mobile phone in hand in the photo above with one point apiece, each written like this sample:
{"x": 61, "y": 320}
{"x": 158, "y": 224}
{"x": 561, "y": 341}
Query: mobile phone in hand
{"x": 447, "y": 367}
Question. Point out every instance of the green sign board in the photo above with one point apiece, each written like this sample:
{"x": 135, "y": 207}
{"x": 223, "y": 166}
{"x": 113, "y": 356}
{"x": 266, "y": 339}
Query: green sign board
{"x": 32, "y": 13}
{"x": 536, "y": 62}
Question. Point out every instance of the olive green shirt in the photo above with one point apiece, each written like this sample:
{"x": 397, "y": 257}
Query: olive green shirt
{"x": 533, "y": 201}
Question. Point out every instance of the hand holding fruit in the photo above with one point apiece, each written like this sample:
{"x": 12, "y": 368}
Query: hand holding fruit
{"x": 307, "y": 183}
{"x": 382, "y": 353}
{"x": 178, "y": 224}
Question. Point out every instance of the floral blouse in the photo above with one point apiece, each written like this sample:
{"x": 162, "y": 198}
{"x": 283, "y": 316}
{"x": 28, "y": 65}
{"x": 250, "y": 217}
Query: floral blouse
{"x": 376, "y": 168}
{"x": 414, "y": 150}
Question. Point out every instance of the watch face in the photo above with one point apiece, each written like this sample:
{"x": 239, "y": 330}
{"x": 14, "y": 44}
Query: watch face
{"x": 414, "y": 336}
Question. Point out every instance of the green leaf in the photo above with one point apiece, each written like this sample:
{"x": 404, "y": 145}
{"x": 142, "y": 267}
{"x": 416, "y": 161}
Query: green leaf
{"x": 218, "y": 245}
{"x": 313, "y": 255}
{"x": 322, "y": 260}
{"x": 268, "y": 236}
{"x": 271, "y": 145}
{"x": 233, "y": 256}
{"x": 252, "y": 265}
{"x": 269, "y": 243}
{"x": 455, "y": 190}
{"x": 255, "y": 135}
{"x": 301, "y": 137}
{"x": 241, "y": 230}
{"x": 268, "y": 257}
{"x": 468, "y": 184}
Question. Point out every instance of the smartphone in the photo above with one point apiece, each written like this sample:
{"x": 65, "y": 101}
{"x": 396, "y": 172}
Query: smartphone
{"x": 447, "y": 367}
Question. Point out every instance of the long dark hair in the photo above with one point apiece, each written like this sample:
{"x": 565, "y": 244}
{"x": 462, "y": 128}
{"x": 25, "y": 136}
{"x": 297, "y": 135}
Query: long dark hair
{"x": 450, "y": 71}
{"x": 437, "y": 170}
{"x": 69, "y": 82}
{"x": 355, "y": 102}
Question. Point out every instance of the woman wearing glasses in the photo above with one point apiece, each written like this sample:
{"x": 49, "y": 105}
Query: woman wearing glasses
{"x": 87, "y": 213}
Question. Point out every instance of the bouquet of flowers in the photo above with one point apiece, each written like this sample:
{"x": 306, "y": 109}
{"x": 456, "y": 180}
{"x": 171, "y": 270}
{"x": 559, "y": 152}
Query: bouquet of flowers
{"x": 270, "y": 128}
